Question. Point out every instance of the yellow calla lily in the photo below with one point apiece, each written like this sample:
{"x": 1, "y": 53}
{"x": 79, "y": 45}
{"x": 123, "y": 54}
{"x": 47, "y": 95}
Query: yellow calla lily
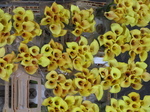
{"x": 51, "y": 84}
{"x": 48, "y": 12}
{"x": 72, "y": 45}
{"x": 1, "y": 26}
{"x": 142, "y": 65}
{"x": 55, "y": 7}
{"x": 28, "y": 26}
{"x": 94, "y": 47}
{"x": 98, "y": 91}
{"x": 2, "y": 51}
{"x": 52, "y": 75}
{"x": 18, "y": 26}
{"x": 34, "y": 50}
{"x": 136, "y": 86}
{"x": 116, "y": 28}
{"x": 57, "y": 54}
{"x": 8, "y": 27}
{"x": 84, "y": 92}
{"x": 44, "y": 61}
{"x": 56, "y": 18}
{"x": 135, "y": 105}
{"x": 66, "y": 57}
{"x": 67, "y": 84}
{"x": 77, "y": 109}
{"x": 19, "y": 10}
{"x": 2, "y": 62}
{"x": 47, "y": 20}
{"x": 111, "y": 15}
{"x": 110, "y": 35}
{"x": 31, "y": 69}
{"x": 50, "y": 109}
{"x": 26, "y": 62}
{"x": 48, "y": 101}
{"x": 142, "y": 22}
{"x": 62, "y": 33}
{"x": 77, "y": 31}
{"x": 76, "y": 18}
{"x": 83, "y": 41}
{"x": 63, "y": 106}
{"x": 146, "y": 102}
{"x": 137, "y": 71}
{"x": 110, "y": 109}
{"x": 79, "y": 82}
{"x": 145, "y": 76}
{"x": 60, "y": 62}
{"x": 72, "y": 53}
{"x": 132, "y": 56}
{"x": 126, "y": 83}
{"x": 58, "y": 90}
{"x": 127, "y": 100}
{"x": 77, "y": 63}
{"x": 116, "y": 49}
{"x": 115, "y": 88}
{"x": 125, "y": 47}
{"x": 46, "y": 50}
{"x": 2, "y": 73}
{"x": 74, "y": 9}
{"x": 55, "y": 28}
{"x": 122, "y": 105}
{"x": 9, "y": 69}
{"x": 134, "y": 96}
{"x": 26, "y": 56}
{"x": 85, "y": 14}
{"x": 27, "y": 36}
{"x": 52, "y": 66}
{"x": 78, "y": 100}
{"x": 11, "y": 39}
{"x": 61, "y": 78}
{"x": 143, "y": 56}
{"x": 3, "y": 42}
{"x": 115, "y": 73}
{"x": 136, "y": 33}
{"x": 114, "y": 103}
{"x": 85, "y": 24}
{"x": 103, "y": 72}
{"x": 70, "y": 100}
{"x": 29, "y": 16}
{"x": 108, "y": 55}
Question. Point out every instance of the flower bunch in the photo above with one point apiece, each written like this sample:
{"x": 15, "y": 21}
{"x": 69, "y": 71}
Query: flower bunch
{"x": 130, "y": 12}
{"x": 139, "y": 43}
{"x": 28, "y": 57}
{"x": 5, "y": 28}
{"x": 25, "y": 25}
{"x": 88, "y": 82}
{"x": 115, "y": 41}
{"x": 81, "y": 53}
{"x": 7, "y": 66}
{"x": 69, "y": 104}
{"x": 60, "y": 85}
{"x": 130, "y": 103}
{"x": 56, "y": 17}
{"x": 83, "y": 20}
{"x": 53, "y": 57}
{"x": 124, "y": 75}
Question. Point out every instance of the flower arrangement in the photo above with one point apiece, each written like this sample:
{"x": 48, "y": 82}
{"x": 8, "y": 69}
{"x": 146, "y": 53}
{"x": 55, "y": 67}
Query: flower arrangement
{"x": 69, "y": 71}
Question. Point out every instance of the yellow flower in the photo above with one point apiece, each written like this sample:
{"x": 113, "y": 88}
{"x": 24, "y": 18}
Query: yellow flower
{"x": 76, "y": 18}
{"x": 29, "y": 16}
{"x": 46, "y": 50}
{"x": 136, "y": 86}
{"x": 126, "y": 83}
{"x": 51, "y": 109}
{"x": 48, "y": 12}
{"x": 67, "y": 84}
{"x": 47, "y": 20}
{"x": 11, "y": 39}
{"x": 135, "y": 97}
{"x": 51, "y": 84}
{"x": 31, "y": 69}
{"x": 55, "y": 28}
{"x": 74, "y": 9}
{"x": 2, "y": 73}
{"x": 125, "y": 47}
{"x": 34, "y": 50}
{"x": 52, "y": 66}
{"x": 114, "y": 103}
{"x": 143, "y": 56}
{"x": 63, "y": 106}
{"x": 98, "y": 91}
{"x": 83, "y": 41}
{"x": 108, "y": 55}
{"x": 57, "y": 54}
{"x": 1, "y": 26}
{"x": 2, "y": 51}
{"x": 28, "y": 26}
{"x": 116, "y": 49}
{"x": 115, "y": 88}
{"x": 55, "y": 7}
{"x": 44, "y": 61}
{"x": 116, "y": 28}
{"x": 72, "y": 45}
{"x": 77, "y": 63}
{"x": 136, "y": 33}
{"x": 70, "y": 100}
{"x": 111, "y": 15}
{"x": 94, "y": 47}
{"x": 145, "y": 76}
{"x": 77, "y": 31}
{"x": 115, "y": 73}
{"x": 19, "y": 11}
{"x": 3, "y": 42}
{"x": 58, "y": 90}
{"x": 72, "y": 53}
{"x": 146, "y": 102}
{"x": 9, "y": 69}
{"x": 110, "y": 109}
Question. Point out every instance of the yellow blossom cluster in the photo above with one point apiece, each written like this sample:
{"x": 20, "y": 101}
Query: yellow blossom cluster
{"x": 25, "y": 25}
{"x": 120, "y": 74}
{"x": 56, "y": 17}
{"x": 69, "y": 104}
{"x": 54, "y": 58}
{"x": 28, "y": 58}
{"x": 130, "y": 12}
{"x": 130, "y": 103}
{"x": 5, "y": 28}
{"x": 88, "y": 82}
{"x": 81, "y": 53}
{"x": 139, "y": 43}
{"x": 115, "y": 41}
{"x": 83, "y": 20}
{"x": 60, "y": 85}
{"x": 7, "y": 66}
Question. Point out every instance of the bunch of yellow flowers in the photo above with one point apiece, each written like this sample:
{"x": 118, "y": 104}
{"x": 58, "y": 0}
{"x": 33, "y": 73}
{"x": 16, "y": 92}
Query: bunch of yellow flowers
{"x": 56, "y": 17}
{"x": 54, "y": 58}
{"x": 25, "y": 25}
{"x": 88, "y": 82}
{"x": 81, "y": 53}
{"x": 130, "y": 12}
{"x": 7, "y": 65}
{"x": 69, "y": 104}
{"x": 83, "y": 20}
{"x": 28, "y": 57}
{"x": 130, "y": 103}
{"x": 60, "y": 85}
{"x": 115, "y": 41}
{"x": 5, "y": 28}
{"x": 120, "y": 74}
{"x": 139, "y": 43}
